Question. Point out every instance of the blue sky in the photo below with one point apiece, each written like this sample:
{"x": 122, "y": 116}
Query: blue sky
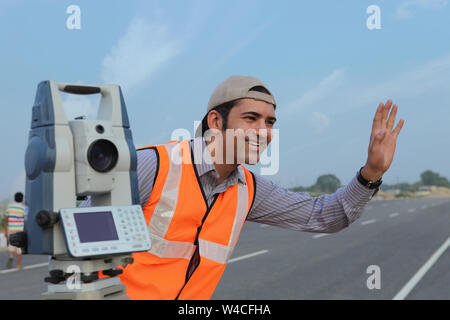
{"x": 327, "y": 70}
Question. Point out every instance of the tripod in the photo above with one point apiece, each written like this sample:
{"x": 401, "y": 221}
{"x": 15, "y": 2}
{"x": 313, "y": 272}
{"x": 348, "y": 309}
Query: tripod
{"x": 78, "y": 279}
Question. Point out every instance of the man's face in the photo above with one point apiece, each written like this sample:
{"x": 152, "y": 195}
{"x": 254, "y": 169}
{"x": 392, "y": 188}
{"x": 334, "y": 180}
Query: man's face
{"x": 249, "y": 130}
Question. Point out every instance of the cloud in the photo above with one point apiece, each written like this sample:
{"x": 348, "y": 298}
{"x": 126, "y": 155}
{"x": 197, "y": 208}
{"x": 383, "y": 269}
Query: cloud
{"x": 320, "y": 122}
{"x": 428, "y": 78}
{"x": 142, "y": 51}
{"x": 234, "y": 50}
{"x": 338, "y": 94}
{"x": 321, "y": 91}
{"x": 239, "y": 46}
{"x": 333, "y": 97}
{"x": 80, "y": 105}
{"x": 405, "y": 10}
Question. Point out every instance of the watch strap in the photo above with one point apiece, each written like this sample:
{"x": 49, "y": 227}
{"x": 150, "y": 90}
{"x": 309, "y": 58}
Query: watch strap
{"x": 367, "y": 183}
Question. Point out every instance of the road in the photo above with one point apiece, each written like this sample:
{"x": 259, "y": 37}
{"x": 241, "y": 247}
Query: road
{"x": 406, "y": 240}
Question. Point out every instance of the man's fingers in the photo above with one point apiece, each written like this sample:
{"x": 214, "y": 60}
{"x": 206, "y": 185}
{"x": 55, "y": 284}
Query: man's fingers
{"x": 376, "y": 126}
{"x": 399, "y": 127}
{"x": 386, "y": 109}
{"x": 391, "y": 120}
{"x": 379, "y": 113}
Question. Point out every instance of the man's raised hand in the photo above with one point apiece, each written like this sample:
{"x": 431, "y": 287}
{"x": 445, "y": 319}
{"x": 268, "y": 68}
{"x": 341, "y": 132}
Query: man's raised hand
{"x": 383, "y": 139}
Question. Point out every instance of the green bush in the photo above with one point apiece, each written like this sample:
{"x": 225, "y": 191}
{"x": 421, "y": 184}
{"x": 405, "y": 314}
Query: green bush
{"x": 402, "y": 195}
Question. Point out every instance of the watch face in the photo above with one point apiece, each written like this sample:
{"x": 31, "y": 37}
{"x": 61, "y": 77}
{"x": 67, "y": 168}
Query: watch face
{"x": 375, "y": 184}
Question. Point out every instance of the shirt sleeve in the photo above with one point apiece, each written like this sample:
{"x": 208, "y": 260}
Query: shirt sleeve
{"x": 147, "y": 166}
{"x": 299, "y": 211}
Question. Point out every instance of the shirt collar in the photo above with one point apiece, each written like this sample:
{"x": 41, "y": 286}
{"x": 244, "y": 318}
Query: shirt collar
{"x": 204, "y": 162}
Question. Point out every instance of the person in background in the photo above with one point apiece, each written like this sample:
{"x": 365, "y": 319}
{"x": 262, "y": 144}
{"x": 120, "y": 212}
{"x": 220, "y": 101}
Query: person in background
{"x": 14, "y": 222}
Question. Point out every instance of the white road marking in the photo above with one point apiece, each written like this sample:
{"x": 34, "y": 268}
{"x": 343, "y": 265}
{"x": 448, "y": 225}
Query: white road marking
{"x": 368, "y": 207}
{"x": 403, "y": 293}
{"x": 368, "y": 222}
{"x": 248, "y": 256}
{"x": 36, "y": 265}
{"x": 424, "y": 207}
{"x": 265, "y": 226}
{"x": 8, "y": 270}
{"x": 25, "y": 268}
{"x": 392, "y": 215}
{"x": 320, "y": 235}
{"x": 411, "y": 210}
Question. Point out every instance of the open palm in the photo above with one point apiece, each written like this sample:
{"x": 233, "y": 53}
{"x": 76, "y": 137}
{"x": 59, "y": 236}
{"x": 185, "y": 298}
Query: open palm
{"x": 383, "y": 140}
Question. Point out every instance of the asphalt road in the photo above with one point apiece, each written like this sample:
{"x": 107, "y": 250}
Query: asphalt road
{"x": 406, "y": 240}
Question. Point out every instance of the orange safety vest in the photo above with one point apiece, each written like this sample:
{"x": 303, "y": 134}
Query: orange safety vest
{"x": 185, "y": 231}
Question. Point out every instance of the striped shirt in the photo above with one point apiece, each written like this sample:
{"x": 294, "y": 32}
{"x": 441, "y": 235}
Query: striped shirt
{"x": 273, "y": 205}
{"x": 16, "y": 216}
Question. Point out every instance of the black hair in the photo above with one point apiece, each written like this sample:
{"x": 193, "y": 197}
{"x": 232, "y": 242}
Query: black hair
{"x": 224, "y": 110}
{"x": 18, "y": 197}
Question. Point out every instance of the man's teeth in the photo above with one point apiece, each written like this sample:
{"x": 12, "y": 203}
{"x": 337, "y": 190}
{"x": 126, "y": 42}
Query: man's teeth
{"x": 254, "y": 143}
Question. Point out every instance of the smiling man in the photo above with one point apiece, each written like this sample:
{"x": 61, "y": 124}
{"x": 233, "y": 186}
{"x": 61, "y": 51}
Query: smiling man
{"x": 196, "y": 195}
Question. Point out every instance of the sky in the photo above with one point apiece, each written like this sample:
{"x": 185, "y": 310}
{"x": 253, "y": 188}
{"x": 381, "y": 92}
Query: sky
{"x": 326, "y": 68}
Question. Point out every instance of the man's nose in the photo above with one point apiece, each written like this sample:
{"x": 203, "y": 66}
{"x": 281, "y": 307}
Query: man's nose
{"x": 264, "y": 132}
{"x": 261, "y": 125}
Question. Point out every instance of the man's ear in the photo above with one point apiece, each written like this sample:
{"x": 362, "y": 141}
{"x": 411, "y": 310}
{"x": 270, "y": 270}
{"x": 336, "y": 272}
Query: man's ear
{"x": 215, "y": 120}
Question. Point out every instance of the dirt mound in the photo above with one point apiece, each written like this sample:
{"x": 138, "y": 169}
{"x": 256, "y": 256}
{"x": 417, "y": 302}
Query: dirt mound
{"x": 432, "y": 192}
{"x": 385, "y": 195}
{"x": 439, "y": 192}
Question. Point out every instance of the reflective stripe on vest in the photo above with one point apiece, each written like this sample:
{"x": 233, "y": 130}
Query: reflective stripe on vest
{"x": 175, "y": 213}
{"x": 221, "y": 253}
{"x": 164, "y": 210}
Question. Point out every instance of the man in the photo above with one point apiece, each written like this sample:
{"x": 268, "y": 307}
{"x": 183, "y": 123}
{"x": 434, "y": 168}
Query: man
{"x": 196, "y": 195}
{"x": 14, "y": 222}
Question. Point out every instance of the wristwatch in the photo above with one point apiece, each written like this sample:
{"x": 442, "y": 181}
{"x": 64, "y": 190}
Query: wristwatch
{"x": 367, "y": 183}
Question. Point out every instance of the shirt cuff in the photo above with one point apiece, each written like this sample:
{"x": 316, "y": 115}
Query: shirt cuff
{"x": 354, "y": 197}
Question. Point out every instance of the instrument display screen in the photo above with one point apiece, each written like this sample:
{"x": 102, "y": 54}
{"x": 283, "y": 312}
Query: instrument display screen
{"x": 96, "y": 226}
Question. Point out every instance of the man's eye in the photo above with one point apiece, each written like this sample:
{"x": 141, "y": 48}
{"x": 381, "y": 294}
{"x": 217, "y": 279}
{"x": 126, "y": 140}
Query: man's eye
{"x": 251, "y": 118}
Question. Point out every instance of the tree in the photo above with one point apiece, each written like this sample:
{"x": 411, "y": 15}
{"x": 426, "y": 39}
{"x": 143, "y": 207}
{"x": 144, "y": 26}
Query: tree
{"x": 430, "y": 178}
{"x": 299, "y": 189}
{"x": 328, "y": 183}
{"x": 443, "y": 182}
